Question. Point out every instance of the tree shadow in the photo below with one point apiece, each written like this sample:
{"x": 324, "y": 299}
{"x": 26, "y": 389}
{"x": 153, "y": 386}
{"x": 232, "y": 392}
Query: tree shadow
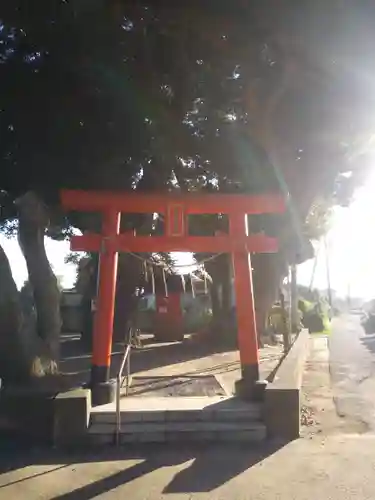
{"x": 209, "y": 471}
{"x": 211, "y": 466}
{"x": 113, "y": 481}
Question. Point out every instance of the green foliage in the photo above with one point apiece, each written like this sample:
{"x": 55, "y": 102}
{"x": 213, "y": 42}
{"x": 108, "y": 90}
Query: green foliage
{"x": 74, "y": 258}
{"x": 202, "y": 95}
{"x": 165, "y": 95}
{"x": 315, "y": 313}
{"x": 9, "y": 227}
{"x": 318, "y": 219}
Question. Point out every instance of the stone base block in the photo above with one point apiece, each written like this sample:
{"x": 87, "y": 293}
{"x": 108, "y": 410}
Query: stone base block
{"x": 71, "y": 417}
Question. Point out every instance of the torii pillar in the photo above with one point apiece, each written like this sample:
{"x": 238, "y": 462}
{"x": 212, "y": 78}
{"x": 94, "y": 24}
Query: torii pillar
{"x": 105, "y": 310}
{"x": 247, "y": 335}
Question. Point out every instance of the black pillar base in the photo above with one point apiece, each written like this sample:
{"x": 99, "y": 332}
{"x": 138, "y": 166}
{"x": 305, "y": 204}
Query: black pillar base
{"x": 249, "y": 387}
{"x": 103, "y": 389}
{"x": 103, "y": 393}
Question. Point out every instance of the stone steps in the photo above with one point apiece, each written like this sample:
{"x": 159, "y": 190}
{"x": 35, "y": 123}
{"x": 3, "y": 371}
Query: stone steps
{"x": 157, "y": 420}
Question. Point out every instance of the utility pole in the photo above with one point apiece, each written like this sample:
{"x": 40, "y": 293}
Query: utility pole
{"x": 285, "y": 330}
{"x": 294, "y": 315}
{"x": 314, "y": 268}
{"x": 329, "y": 290}
{"x": 348, "y": 296}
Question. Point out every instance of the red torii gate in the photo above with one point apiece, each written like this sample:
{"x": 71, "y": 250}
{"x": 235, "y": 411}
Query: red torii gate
{"x": 175, "y": 208}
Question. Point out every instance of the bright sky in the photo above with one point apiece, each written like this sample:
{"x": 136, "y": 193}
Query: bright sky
{"x": 351, "y": 244}
{"x": 56, "y": 252}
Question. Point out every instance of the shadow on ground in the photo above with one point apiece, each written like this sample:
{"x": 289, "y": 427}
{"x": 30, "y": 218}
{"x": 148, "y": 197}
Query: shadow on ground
{"x": 369, "y": 342}
{"x": 209, "y": 467}
{"x": 76, "y": 360}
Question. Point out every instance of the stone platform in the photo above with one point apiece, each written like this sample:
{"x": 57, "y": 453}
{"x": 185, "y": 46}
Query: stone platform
{"x": 179, "y": 391}
{"x": 163, "y": 419}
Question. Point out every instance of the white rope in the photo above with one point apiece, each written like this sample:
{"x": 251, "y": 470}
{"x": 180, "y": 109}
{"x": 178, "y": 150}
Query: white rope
{"x": 165, "y": 282}
{"x": 153, "y": 280}
{"x": 178, "y": 266}
{"x": 192, "y": 286}
{"x": 199, "y": 265}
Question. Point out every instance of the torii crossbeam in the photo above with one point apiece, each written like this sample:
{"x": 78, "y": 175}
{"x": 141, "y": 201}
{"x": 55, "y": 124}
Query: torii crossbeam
{"x": 175, "y": 209}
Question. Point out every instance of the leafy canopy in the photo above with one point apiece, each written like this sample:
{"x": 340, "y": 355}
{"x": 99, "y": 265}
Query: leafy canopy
{"x": 241, "y": 95}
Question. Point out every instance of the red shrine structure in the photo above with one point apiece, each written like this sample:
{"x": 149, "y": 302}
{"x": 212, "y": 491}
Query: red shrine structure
{"x": 175, "y": 208}
{"x": 169, "y": 319}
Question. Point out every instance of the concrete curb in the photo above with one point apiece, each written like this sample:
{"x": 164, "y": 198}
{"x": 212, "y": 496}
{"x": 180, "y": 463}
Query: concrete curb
{"x": 282, "y": 405}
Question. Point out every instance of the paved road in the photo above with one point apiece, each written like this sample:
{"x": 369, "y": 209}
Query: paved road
{"x": 352, "y": 364}
{"x": 336, "y": 466}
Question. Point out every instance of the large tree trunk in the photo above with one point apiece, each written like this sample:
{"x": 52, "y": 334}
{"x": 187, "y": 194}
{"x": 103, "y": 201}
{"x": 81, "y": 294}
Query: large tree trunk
{"x": 215, "y": 299}
{"x": 33, "y": 221}
{"x": 226, "y": 283}
{"x": 15, "y": 354}
{"x": 129, "y": 276}
{"x": 87, "y": 285}
{"x": 267, "y": 275}
{"x": 223, "y": 325}
{"x": 23, "y": 355}
{"x": 219, "y": 270}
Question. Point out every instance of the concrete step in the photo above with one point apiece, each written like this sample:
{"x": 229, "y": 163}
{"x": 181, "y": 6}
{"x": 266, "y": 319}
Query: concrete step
{"x": 183, "y": 409}
{"x": 179, "y": 432}
{"x": 179, "y": 419}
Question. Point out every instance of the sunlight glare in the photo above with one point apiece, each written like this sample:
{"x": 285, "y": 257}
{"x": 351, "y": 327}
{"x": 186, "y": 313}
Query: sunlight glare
{"x": 351, "y": 243}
